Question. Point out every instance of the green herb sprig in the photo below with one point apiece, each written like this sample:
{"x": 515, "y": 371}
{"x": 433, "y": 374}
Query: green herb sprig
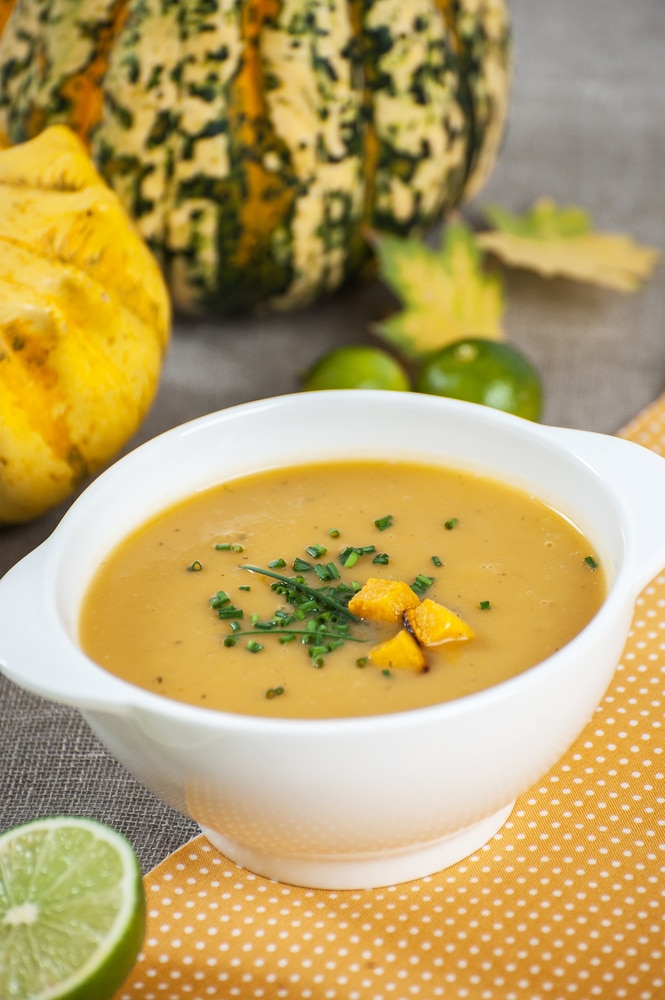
{"x": 318, "y": 616}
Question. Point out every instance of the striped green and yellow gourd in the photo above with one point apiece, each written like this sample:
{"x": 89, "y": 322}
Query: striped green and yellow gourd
{"x": 254, "y": 142}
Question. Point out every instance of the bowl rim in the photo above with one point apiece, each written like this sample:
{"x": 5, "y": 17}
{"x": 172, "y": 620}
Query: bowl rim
{"x": 138, "y": 700}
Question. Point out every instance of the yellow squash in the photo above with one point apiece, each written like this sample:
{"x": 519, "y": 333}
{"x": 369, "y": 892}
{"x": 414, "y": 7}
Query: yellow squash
{"x": 84, "y": 323}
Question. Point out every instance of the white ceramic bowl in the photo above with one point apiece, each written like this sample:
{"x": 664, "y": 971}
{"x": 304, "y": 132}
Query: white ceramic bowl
{"x": 359, "y": 802}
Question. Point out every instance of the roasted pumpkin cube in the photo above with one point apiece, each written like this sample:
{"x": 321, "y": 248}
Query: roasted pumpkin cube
{"x": 383, "y": 600}
{"x": 432, "y": 624}
{"x": 402, "y": 652}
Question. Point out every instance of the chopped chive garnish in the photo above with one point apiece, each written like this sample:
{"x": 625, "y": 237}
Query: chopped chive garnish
{"x": 436, "y": 561}
{"x": 384, "y": 522}
{"x": 300, "y": 566}
{"x": 422, "y": 583}
{"x": 381, "y": 559}
{"x": 386, "y": 672}
{"x": 274, "y": 692}
{"x": 484, "y": 605}
{"x": 263, "y": 626}
{"x": 591, "y": 562}
{"x": 361, "y": 661}
{"x": 316, "y": 551}
{"x": 352, "y": 553}
{"x": 244, "y": 588}
{"x": 229, "y": 640}
{"x": 287, "y": 634}
{"x": 229, "y": 611}
{"x": 451, "y": 523}
{"x": 327, "y": 572}
{"x": 223, "y": 546}
{"x": 195, "y": 567}
{"x": 277, "y": 564}
{"x": 318, "y": 616}
{"x": 219, "y": 599}
{"x": 334, "y": 532}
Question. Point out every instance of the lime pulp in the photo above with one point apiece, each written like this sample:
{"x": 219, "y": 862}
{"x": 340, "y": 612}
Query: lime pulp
{"x": 72, "y": 910}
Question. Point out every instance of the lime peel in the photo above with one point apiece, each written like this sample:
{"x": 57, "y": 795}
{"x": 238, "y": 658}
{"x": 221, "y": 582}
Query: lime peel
{"x": 356, "y": 366}
{"x": 72, "y": 910}
{"x": 487, "y": 372}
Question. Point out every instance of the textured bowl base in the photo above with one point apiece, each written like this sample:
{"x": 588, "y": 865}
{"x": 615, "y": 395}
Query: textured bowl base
{"x": 369, "y": 872}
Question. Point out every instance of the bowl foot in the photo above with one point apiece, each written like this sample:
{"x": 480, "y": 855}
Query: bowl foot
{"x": 364, "y": 871}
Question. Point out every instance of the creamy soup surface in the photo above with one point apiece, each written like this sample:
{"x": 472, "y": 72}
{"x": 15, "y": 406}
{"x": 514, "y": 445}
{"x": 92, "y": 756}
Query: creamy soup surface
{"x": 518, "y": 573}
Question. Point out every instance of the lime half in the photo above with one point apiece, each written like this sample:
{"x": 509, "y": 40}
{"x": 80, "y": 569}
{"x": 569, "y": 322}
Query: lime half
{"x": 72, "y": 910}
{"x": 356, "y": 366}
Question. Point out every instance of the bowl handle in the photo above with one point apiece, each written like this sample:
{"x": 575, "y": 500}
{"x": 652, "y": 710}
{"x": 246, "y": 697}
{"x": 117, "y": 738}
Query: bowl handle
{"x": 34, "y": 642}
{"x": 636, "y": 477}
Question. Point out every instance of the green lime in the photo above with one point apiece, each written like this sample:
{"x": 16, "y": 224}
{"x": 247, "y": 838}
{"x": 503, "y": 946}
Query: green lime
{"x": 72, "y": 910}
{"x": 484, "y": 371}
{"x": 357, "y": 366}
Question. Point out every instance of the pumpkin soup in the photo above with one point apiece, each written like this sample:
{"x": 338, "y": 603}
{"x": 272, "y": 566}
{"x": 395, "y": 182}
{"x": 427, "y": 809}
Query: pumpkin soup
{"x": 341, "y": 589}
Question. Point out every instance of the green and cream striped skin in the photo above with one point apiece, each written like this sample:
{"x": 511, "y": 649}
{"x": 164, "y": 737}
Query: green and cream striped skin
{"x": 255, "y": 142}
{"x": 483, "y": 32}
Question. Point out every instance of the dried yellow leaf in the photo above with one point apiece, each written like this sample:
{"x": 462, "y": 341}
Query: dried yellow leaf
{"x": 446, "y": 294}
{"x": 560, "y": 241}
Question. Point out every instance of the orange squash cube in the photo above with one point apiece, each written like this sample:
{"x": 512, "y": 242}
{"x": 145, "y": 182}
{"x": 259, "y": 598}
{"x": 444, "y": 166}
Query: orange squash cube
{"x": 402, "y": 652}
{"x": 433, "y": 624}
{"x": 383, "y": 600}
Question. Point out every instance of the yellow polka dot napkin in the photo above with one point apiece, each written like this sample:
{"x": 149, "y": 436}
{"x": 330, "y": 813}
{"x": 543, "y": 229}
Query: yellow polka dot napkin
{"x": 566, "y": 901}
